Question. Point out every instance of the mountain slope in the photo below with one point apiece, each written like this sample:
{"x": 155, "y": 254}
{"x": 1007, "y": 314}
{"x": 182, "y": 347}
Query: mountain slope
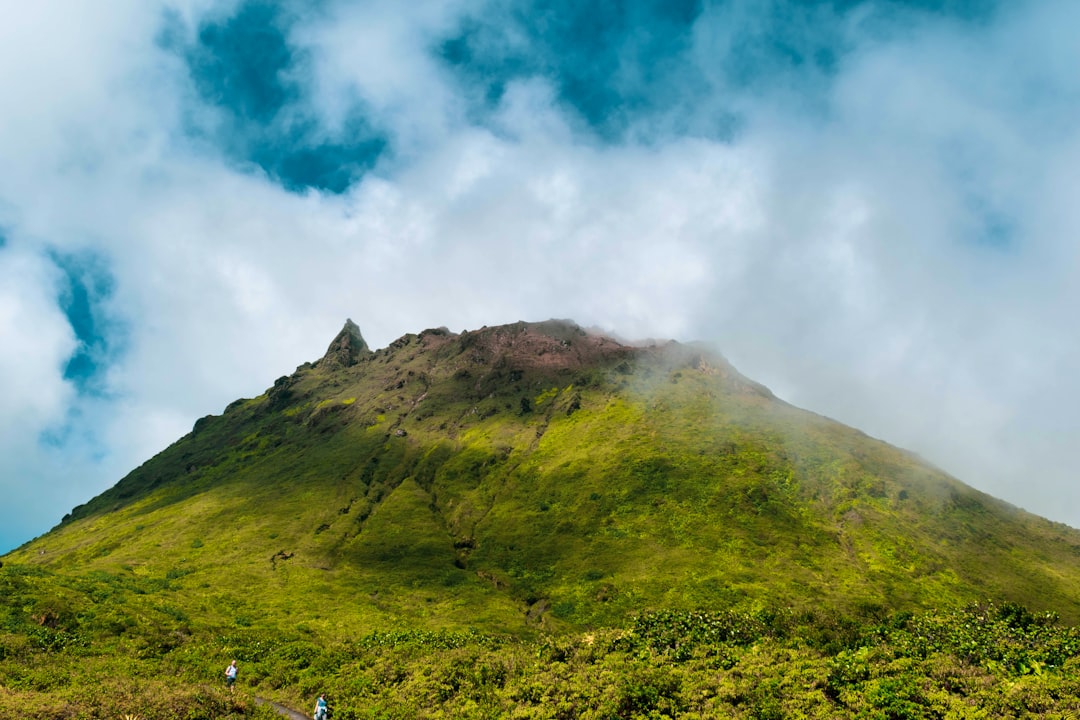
{"x": 536, "y": 476}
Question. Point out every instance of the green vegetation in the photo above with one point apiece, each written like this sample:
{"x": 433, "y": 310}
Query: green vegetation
{"x": 530, "y": 521}
{"x": 980, "y": 661}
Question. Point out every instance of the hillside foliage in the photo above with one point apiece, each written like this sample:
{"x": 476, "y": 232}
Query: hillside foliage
{"x": 983, "y": 660}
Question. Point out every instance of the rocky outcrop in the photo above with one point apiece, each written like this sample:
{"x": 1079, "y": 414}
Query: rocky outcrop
{"x": 347, "y": 349}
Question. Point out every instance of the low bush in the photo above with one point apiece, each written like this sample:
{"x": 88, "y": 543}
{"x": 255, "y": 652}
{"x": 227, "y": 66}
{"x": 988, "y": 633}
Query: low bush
{"x": 983, "y": 660}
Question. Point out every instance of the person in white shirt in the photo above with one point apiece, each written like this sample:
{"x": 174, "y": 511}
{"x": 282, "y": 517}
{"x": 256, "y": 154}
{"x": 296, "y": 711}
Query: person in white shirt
{"x": 230, "y": 675}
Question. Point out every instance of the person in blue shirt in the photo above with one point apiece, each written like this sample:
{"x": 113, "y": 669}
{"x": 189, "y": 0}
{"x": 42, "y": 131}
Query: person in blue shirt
{"x": 321, "y": 708}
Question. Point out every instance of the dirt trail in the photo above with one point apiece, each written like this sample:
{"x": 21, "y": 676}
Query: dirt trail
{"x": 282, "y": 710}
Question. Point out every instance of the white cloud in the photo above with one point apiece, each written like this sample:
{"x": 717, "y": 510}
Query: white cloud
{"x": 836, "y": 256}
{"x": 35, "y": 342}
{"x": 375, "y": 56}
{"x": 892, "y": 304}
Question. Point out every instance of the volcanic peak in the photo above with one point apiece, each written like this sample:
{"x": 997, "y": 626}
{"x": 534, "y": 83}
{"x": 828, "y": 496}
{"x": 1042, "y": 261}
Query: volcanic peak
{"x": 347, "y": 348}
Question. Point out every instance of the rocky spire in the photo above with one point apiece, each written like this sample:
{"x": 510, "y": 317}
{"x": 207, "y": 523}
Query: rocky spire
{"x": 347, "y": 349}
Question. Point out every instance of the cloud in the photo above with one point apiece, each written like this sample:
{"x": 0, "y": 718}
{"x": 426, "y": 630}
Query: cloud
{"x": 36, "y": 341}
{"x": 251, "y": 80}
{"x": 867, "y": 206}
{"x": 910, "y": 232}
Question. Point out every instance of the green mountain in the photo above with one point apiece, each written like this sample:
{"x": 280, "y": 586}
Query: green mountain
{"x": 539, "y": 477}
{"x": 536, "y": 521}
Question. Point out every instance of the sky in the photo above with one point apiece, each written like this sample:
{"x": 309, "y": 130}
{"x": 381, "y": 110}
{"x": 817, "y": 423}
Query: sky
{"x": 870, "y": 206}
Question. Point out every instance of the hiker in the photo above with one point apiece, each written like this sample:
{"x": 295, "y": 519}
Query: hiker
{"x": 230, "y": 675}
{"x": 320, "y": 707}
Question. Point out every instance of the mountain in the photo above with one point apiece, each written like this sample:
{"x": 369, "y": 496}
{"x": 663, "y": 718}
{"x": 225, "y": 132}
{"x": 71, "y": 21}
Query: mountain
{"x": 535, "y": 477}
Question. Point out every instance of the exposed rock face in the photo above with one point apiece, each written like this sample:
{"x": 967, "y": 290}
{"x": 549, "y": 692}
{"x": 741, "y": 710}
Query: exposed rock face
{"x": 550, "y": 345}
{"x": 347, "y": 349}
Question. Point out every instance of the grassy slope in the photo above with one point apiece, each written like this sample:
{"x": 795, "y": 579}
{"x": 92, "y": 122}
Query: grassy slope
{"x": 529, "y": 478}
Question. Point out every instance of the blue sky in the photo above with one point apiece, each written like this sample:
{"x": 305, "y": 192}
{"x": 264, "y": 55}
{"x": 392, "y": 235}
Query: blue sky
{"x": 868, "y": 206}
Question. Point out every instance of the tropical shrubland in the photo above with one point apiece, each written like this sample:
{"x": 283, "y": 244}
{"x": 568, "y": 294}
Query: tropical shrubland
{"x": 982, "y": 660}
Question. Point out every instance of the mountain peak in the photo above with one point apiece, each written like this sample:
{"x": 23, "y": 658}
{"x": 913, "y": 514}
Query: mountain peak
{"x": 347, "y": 348}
